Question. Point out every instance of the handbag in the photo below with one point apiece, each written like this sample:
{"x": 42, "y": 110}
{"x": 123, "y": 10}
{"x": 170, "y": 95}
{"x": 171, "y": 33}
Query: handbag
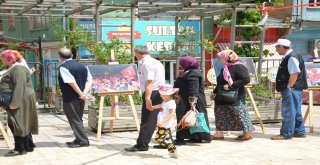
{"x": 189, "y": 119}
{"x": 229, "y": 96}
{"x": 200, "y": 125}
{"x": 5, "y": 99}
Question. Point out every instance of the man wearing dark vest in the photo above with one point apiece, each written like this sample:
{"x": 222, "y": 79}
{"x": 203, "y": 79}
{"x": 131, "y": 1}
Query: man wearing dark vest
{"x": 291, "y": 80}
{"x": 75, "y": 81}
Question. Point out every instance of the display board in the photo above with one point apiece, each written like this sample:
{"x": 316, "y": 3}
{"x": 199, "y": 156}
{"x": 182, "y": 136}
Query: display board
{"x": 247, "y": 61}
{"x": 114, "y": 78}
{"x": 313, "y": 73}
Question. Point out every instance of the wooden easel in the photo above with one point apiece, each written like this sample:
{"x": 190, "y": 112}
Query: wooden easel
{"x": 115, "y": 103}
{"x": 248, "y": 89}
{"x": 5, "y": 135}
{"x": 115, "y": 111}
{"x": 309, "y": 111}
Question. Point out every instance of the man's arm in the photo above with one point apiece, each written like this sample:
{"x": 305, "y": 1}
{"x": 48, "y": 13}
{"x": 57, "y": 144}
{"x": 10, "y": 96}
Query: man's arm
{"x": 292, "y": 79}
{"x": 88, "y": 84}
{"x": 147, "y": 93}
{"x": 294, "y": 70}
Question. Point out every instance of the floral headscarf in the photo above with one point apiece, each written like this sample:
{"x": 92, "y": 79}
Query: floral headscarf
{"x": 232, "y": 59}
{"x": 13, "y": 55}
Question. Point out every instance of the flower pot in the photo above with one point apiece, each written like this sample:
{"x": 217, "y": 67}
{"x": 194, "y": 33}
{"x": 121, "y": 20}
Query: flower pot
{"x": 118, "y": 125}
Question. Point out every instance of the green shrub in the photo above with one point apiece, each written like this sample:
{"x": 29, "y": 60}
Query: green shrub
{"x": 262, "y": 89}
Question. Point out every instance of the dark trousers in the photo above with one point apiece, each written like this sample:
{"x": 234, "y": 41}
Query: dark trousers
{"x": 74, "y": 112}
{"x": 148, "y": 120}
{"x": 24, "y": 143}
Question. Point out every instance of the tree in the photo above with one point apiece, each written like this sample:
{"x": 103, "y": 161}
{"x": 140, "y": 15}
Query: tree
{"x": 72, "y": 38}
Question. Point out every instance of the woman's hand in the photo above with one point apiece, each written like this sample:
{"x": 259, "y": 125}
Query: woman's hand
{"x": 226, "y": 87}
{"x": 212, "y": 96}
{"x": 12, "y": 107}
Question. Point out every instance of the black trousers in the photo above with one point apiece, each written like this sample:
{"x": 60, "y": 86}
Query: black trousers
{"x": 74, "y": 112}
{"x": 148, "y": 120}
{"x": 24, "y": 143}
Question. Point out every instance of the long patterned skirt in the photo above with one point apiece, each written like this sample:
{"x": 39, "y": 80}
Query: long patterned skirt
{"x": 232, "y": 118}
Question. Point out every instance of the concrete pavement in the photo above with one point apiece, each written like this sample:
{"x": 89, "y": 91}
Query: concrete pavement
{"x": 55, "y": 131}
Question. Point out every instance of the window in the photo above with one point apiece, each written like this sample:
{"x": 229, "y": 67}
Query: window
{"x": 11, "y": 21}
{"x": 314, "y": 1}
{"x": 38, "y": 22}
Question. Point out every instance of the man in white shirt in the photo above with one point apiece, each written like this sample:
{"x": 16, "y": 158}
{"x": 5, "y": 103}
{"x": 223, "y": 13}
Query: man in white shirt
{"x": 151, "y": 75}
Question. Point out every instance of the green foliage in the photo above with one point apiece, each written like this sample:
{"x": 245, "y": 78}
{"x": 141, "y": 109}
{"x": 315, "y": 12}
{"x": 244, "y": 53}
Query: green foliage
{"x": 247, "y": 50}
{"x": 72, "y": 38}
{"x": 102, "y": 51}
{"x": 262, "y": 89}
{"x": 123, "y": 100}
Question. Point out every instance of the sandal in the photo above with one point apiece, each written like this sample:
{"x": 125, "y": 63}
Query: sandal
{"x": 243, "y": 138}
{"x": 217, "y": 137}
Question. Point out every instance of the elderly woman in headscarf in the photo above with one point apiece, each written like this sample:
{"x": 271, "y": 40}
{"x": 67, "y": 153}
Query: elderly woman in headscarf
{"x": 22, "y": 112}
{"x": 191, "y": 85}
{"x": 232, "y": 116}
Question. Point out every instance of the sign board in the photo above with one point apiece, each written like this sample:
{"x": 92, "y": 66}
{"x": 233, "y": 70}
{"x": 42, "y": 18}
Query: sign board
{"x": 211, "y": 76}
{"x": 313, "y": 73}
{"x": 158, "y": 36}
{"x": 114, "y": 78}
{"x": 272, "y": 74}
{"x": 247, "y": 61}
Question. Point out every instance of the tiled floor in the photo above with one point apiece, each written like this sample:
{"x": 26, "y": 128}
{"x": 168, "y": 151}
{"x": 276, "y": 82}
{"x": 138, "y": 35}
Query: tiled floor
{"x": 55, "y": 131}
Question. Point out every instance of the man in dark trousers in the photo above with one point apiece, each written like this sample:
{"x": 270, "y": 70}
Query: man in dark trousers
{"x": 152, "y": 75}
{"x": 290, "y": 81}
{"x": 75, "y": 81}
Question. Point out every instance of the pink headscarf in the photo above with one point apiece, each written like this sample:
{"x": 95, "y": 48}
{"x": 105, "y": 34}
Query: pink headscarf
{"x": 232, "y": 59}
{"x": 13, "y": 55}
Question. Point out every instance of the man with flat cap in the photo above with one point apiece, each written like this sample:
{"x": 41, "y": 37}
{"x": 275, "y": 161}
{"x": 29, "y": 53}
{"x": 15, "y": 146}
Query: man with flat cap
{"x": 152, "y": 75}
{"x": 291, "y": 80}
{"x": 75, "y": 81}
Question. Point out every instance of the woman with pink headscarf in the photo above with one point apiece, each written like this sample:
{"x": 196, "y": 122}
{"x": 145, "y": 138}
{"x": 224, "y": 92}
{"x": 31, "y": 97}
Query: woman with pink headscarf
{"x": 232, "y": 116}
{"x": 22, "y": 111}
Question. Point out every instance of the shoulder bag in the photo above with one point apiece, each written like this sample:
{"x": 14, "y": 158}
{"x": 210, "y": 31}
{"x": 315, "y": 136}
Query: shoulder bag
{"x": 229, "y": 96}
{"x": 5, "y": 99}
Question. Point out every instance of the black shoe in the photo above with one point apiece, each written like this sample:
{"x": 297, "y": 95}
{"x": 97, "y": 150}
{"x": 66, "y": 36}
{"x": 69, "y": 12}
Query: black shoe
{"x": 77, "y": 145}
{"x": 68, "y": 143}
{"x": 179, "y": 142}
{"x": 159, "y": 147}
{"x": 14, "y": 153}
{"x": 30, "y": 150}
{"x": 135, "y": 149}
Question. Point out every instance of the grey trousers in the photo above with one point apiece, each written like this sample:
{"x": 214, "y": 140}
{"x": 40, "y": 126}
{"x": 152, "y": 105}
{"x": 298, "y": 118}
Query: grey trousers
{"x": 74, "y": 112}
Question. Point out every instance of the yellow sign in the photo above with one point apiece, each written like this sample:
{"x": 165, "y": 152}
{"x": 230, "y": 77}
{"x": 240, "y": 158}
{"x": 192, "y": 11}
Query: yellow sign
{"x": 211, "y": 76}
{"x": 272, "y": 74}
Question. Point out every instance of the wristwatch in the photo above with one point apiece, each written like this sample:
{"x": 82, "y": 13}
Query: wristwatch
{"x": 289, "y": 87}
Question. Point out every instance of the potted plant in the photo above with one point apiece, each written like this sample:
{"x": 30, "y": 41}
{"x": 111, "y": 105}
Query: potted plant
{"x": 269, "y": 105}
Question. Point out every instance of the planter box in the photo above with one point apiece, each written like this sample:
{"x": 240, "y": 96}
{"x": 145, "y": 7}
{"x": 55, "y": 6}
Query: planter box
{"x": 3, "y": 120}
{"x": 270, "y": 112}
{"x": 118, "y": 125}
